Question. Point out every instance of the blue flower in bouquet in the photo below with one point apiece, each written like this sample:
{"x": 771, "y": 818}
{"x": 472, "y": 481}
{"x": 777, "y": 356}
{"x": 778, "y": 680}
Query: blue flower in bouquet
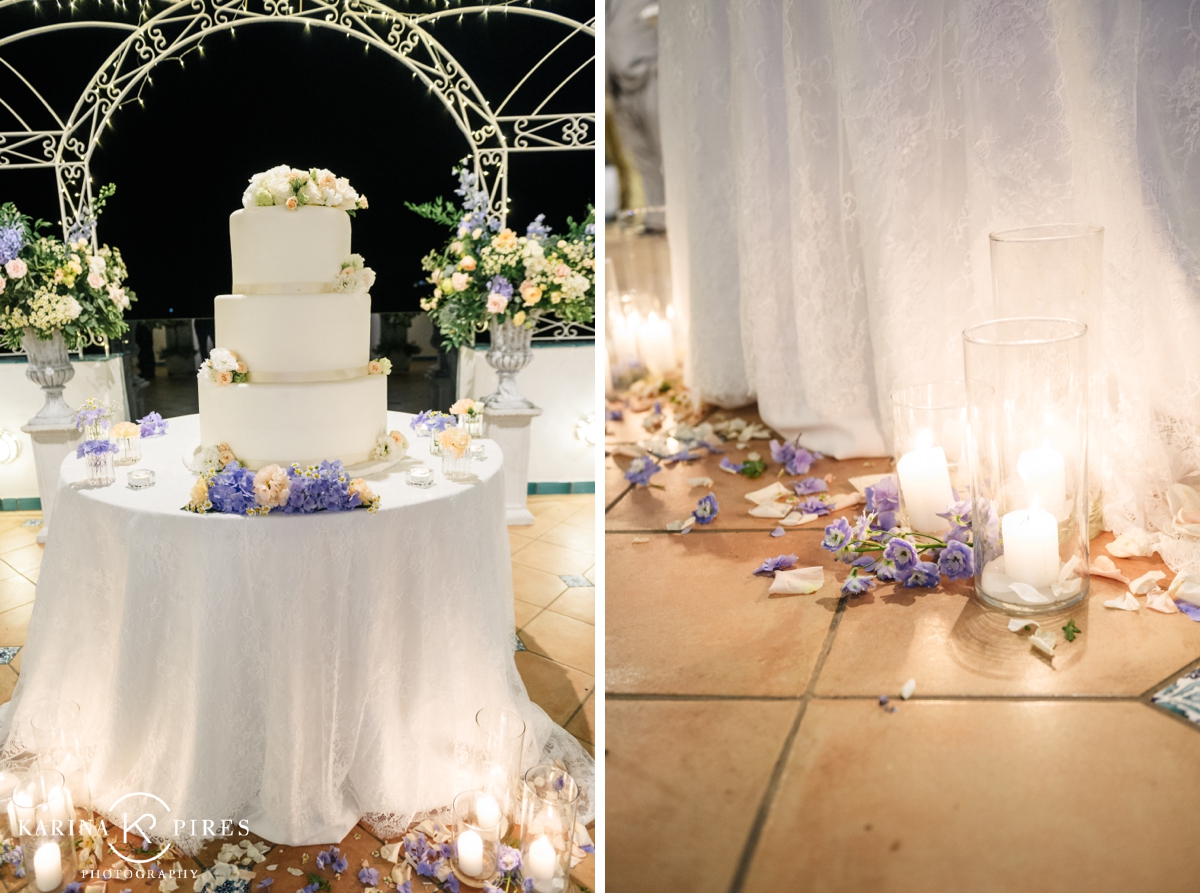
{"x": 957, "y": 561}
{"x": 509, "y": 859}
{"x": 537, "y": 230}
{"x": 838, "y": 540}
{"x": 641, "y": 470}
{"x": 500, "y": 286}
{"x": 369, "y": 877}
{"x": 810, "y": 486}
{"x": 923, "y": 573}
{"x": 590, "y": 229}
{"x": 706, "y": 509}
{"x": 883, "y": 500}
{"x": 91, "y": 413}
{"x": 778, "y": 563}
{"x": 527, "y": 885}
{"x": 152, "y": 425}
{"x": 95, "y": 448}
{"x": 902, "y": 554}
{"x": 857, "y": 585}
{"x": 12, "y": 240}
{"x": 812, "y": 506}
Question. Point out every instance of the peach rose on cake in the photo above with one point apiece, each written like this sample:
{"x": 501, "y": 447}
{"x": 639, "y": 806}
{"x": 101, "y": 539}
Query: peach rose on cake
{"x": 223, "y": 378}
{"x": 225, "y": 454}
{"x": 271, "y": 486}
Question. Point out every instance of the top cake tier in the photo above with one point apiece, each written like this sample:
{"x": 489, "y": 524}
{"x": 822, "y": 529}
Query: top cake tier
{"x": 280, "y": 251}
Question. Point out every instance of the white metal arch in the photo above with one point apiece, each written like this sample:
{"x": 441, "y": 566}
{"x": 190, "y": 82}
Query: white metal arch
{"x": 180, "y": 26}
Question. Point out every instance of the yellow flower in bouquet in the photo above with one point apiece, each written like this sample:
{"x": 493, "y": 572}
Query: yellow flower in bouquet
{"x": 456, "y": 440}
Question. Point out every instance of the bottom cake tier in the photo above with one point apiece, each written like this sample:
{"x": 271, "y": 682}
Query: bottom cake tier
{"x": 305, "y": 423}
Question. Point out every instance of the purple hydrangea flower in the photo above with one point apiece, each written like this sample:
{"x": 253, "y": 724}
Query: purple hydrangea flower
{"x": 813, "y": 506}
{"x": 325, "y": 857}
{"x": 425, "y": 868}
{"x": 527, "y": 885}
{"x": 735, "y": 467}
{"x": 902, "y": 554}
{"x": 706, "y": 509}
{"x": 12, "y": 240}
{"x": 838, "y": 538}
{"x": 368, "y": 877}
{"x": 153, "y": 425}
{"x": 498, "y": 285}
{"x": 95, "y": 448}
{"x": 883, "y": 500}
{"x": 73, "y": 887}
{"x": 641, "y": 470}
{"x": 809, "y": 486}
{"x": 957, "y": 561}
{"x": 778, "y": 563}
{"x": 923, "y": 573}
{"x": 509, "y": 859}
{"x": 857, "y": 585}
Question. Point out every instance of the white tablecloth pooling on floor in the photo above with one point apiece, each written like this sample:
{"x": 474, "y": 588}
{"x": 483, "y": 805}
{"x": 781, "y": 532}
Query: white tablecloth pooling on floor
{"x": 297, "y": 671}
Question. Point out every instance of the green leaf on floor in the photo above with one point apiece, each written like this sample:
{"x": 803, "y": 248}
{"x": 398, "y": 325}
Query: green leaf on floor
{"x": 1071, "y": 630}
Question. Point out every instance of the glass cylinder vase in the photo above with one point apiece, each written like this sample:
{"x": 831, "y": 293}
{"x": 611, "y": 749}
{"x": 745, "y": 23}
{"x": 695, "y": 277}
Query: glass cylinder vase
{"x": 551, "y": 798}
{"x": 42, "y": 811}
{"x": 1057, "y": 270}
{"x": 1029, "y": 464}
{"x": 57, "y": 742}
{"x": 129, "y": 450}
{"x": 456, "y": 467}
{"x": 99, "y": 464}
{"x": 499, "y": 747}
{"x": 472, "y": 423}
{"x": 435, "y": 445}
{"x": 930, "y": 432}
{"x": 477, "y": 821}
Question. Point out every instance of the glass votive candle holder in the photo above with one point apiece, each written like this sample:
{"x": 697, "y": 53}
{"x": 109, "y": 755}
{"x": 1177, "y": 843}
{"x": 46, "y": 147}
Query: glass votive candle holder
{"x": 56, "y": 740}
{"x": 8, "y": 783}
{"x": 44, "y": 815}
{"x": 500, "y": 745}
{"x": 478, "y": 453}
{"x": 128, "y": 438}
{"x": 551, "y": 799}
{"x": 140, "y": 479}
{"x": 98, "y": 459}
{"x": 477, "y": 821}
{"x": 420, "y": 477}
{"x": 930, "y": 431}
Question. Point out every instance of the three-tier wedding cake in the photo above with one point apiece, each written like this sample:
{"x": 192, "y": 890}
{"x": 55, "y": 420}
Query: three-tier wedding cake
{"x": 291, "y": 379}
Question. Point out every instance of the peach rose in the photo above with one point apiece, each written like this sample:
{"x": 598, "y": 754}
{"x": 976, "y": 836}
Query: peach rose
{"x": 463, "y": 406}
{"x": 399, "y": 439}
{"x": 16, "y": 268}
{"x": 224, "y": 378}
{"x": 271, "y": 486}
{"x": 95, "y": 280}
{"x": 225, "y": 454}
{"x": 199, "y": 494}
{"x": 467, "y": 263}
{"x": 126, "y": 429}
{"x": 241, "y": 367}
{"x": 374, "y": 368}
{"x": 496, "y": 303}
{"x": 459, "y": 281}
{"x": 360, "y": 488}
{"x": 505, "y": 239}
{"x": 456, "y": 440}
{"x": 530, "y": 293}
{"x": 291, "y": 203}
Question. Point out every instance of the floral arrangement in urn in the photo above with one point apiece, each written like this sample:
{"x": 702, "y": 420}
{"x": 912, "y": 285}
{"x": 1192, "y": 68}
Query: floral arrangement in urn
{"x": 486, "y": 272}
{"x": 49, "y": 286}
{"x": 293, "y": 188}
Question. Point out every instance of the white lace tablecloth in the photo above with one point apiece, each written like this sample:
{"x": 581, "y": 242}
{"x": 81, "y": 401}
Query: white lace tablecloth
{"x": 299, "y": 672}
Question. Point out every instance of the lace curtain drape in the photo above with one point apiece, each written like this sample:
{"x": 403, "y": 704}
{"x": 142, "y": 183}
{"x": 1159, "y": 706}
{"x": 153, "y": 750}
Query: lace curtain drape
{"x": 833, "y": 171}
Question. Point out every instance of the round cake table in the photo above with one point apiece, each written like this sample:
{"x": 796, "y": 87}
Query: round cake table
{"x": 298, "y": 672}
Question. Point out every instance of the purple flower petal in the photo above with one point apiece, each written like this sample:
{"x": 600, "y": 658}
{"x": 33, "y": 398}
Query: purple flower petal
{"x": 1188, "y": 608}
{"x": 778, "y": 531}
{"x": 778, "y": 563}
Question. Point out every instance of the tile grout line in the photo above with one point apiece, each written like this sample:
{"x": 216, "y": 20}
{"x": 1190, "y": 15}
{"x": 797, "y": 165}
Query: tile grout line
{"x": 764, "y": 807}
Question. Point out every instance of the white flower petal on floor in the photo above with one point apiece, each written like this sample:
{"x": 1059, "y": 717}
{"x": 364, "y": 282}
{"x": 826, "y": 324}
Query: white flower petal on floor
{"x": 909, "y": 687}
{"x": 771, "y": 510}
{"x": 1133, "y": 543}
{"x": 798, "y": 581}
{"x": 700, "y": 482}
{"x": 795, "y": 519}
{"x": 1146, "y": 583}
{"x": 770, "y": 493}
{"x": 1162, "y": 603}
{"x": 1103, "y": 566}
{"x": 1043, "y": 640}
{"x": 1125, "y": 603}
{"x": 1186, "y": 587}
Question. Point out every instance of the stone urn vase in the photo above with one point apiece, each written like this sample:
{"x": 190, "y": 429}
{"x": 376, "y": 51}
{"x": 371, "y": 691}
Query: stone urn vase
{"x": 49, "y": 368}
{"x": 510, "y": 352}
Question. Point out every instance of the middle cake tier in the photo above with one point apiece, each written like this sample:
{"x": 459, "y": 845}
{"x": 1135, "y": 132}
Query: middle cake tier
{"x": 279, "y": 424}
{"x": 296, "y": 338}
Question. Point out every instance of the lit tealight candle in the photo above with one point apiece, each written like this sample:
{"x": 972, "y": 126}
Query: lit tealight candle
{"x": 47, "y": 867}
{"x": 487, "y": 811}
{"x": 925, "y": 485}
{"x": 420, "y": 476}
{"x": 542, "y": 863}
{"x": 470, "y": 854}
{"x": 1031, "y": 547}
{"x": 1044, "y": 474}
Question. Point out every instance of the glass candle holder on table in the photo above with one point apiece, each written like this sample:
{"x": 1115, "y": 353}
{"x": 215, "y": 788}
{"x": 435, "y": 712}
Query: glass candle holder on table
{"x": 550, "y": 800}
{"x": 57, "y": 743}
{"x": 43, "y": 813}
{"x": 500, "y": 744}
{"x": 1027, "y": 378}
{"x": 930, "y": 433}
{"x": 98, "y": 460}
{"x": 1057, "y": 270}
{"x": 477, "y": 833}
{"x": 128, "y": 438}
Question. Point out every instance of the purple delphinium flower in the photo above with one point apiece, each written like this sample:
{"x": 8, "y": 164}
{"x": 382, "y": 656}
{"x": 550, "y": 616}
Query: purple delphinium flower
{"x": 152, "y": 425}
{"x": 735, "y": 467}
{"x": 537, "y": 230}
{"x": 325, "y": 857}
{"x": 310, "y": 888}
{"x": 420, "y": 421}
{"x": 73, "y": 887}
{"x": 406, "y": 887}
{"x": 706, "y": 509}
{"x": 959, "y": 516}
{"x": 614, "y": 415}
{"x": 857, "y": 585}
{"x": 923, "y": 573}
{"x": 425, "y": 868}
{"x": 440, "y": 421}
{"x": 266, "y": 882}
{"x": 509, "y": 859}
{"x": 885, "y": 571}
{"x": 641, "y": 470}
{"x": 809, "y": 486}
{"x": 778, "y": 563}
{"x": 902, "y": 555}
{"x": 368, "y": 877}
{"x": 498, "y": 285}
{"x": 838, "y": 539}
{"x": 12, "y": 240}
{"x": 957, "y": 561}
{"x": 883, "y": 500}
{"x": 794, "y": 458}
{"x": 95, "y": 448}
{"x": 527, "y": 885}
{"x": 812, "y": 506}
{"x": 1187, "y": 608}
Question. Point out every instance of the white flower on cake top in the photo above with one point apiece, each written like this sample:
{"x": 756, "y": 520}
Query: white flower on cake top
{"x": 294, "y": 188}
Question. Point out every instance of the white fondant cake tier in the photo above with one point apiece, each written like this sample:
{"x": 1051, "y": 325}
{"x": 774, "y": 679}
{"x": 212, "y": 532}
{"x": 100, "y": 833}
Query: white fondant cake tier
{"x": 296, "y": 337}
{"x": 277, "y": 246}
{"x": 305, "y": 423}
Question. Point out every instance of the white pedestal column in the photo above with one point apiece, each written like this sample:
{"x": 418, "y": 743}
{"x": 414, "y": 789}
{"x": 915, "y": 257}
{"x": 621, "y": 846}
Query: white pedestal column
{"x": 51, "y": 444}
{"x": 510, "y": 429}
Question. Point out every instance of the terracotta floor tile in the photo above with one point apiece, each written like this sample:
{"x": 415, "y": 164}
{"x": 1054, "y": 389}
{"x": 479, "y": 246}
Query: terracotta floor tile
{"x": 584, "y": 874}
{"x": 583, "y": 723}
{"x": 536, "y": 587}
{"x": 15, "y": 663}
{"x": 685, "y": 615}
{"x": 17, "y": 537}
{"x": 557, "y": 689}
{"x": 553, "y": 559}
{"x": 584, "y": 518}
{"x": 26, "y": 558}
{"x": 14, "y": 592}
{"x": 952, "y": 645}
{"x": 987, "y": 797}
{"x": 518, "y": 540}
{"x": 14, "y": 623}
{"x": 7, "y": 572}
{"x": 701, "y": 798}
{"x": 578, "y": 602}
{"x": 615, "y": 485}
{"x": 578, "y": 538}
{"x": 563, "y": 639}
{"x": 8, "y": 681}
{"x": 524, "y": 612}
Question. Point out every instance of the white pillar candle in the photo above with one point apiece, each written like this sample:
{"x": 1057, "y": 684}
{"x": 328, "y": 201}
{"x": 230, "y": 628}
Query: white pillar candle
{"x": 487, "y": 811}
{"x": 925, "y": 486}
{"x": 656, "y": 344}
{"x": 1031, "y": 547}
{"x": 624, "y": 338}
{"x": 470, "y": 854}
{"x": 1044, "y": 474}
{"x": 47, "y": 867}
{"x": 542, "y": 861}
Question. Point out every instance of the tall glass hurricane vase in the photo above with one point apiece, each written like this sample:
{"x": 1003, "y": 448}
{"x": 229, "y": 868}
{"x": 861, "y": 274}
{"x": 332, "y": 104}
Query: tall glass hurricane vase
{"x": 1057, "y": 270}
{"x": 50, "y": 368}
{"x": 511, "y": 351}
{"x": 1028, "y": 447}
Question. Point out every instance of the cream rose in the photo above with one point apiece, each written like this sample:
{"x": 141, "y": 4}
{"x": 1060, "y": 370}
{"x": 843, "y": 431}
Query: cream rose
{"x": 374, "y": 368}
{"x": 519, "y": 318}
{"x": 459, "y": 281}
{"x": 125, "y": 429}
{"x": 16, "y": 268}
{"x": 271, "y": 486}
{"x": 496, "y": 303}
{"x": 223, "y": 360}
{"x": 95, "y": 280}
{"x": 292, "y": 204}
{"x": 97, "y": 263}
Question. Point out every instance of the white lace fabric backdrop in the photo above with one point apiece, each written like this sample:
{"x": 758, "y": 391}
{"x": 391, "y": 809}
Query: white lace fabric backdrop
{"x": 299, "y": 672}
{"x": 833, "y": 170}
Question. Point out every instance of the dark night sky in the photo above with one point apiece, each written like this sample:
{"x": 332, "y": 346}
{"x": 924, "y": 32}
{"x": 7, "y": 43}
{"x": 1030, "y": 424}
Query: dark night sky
{"x": 276, "y": 94}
